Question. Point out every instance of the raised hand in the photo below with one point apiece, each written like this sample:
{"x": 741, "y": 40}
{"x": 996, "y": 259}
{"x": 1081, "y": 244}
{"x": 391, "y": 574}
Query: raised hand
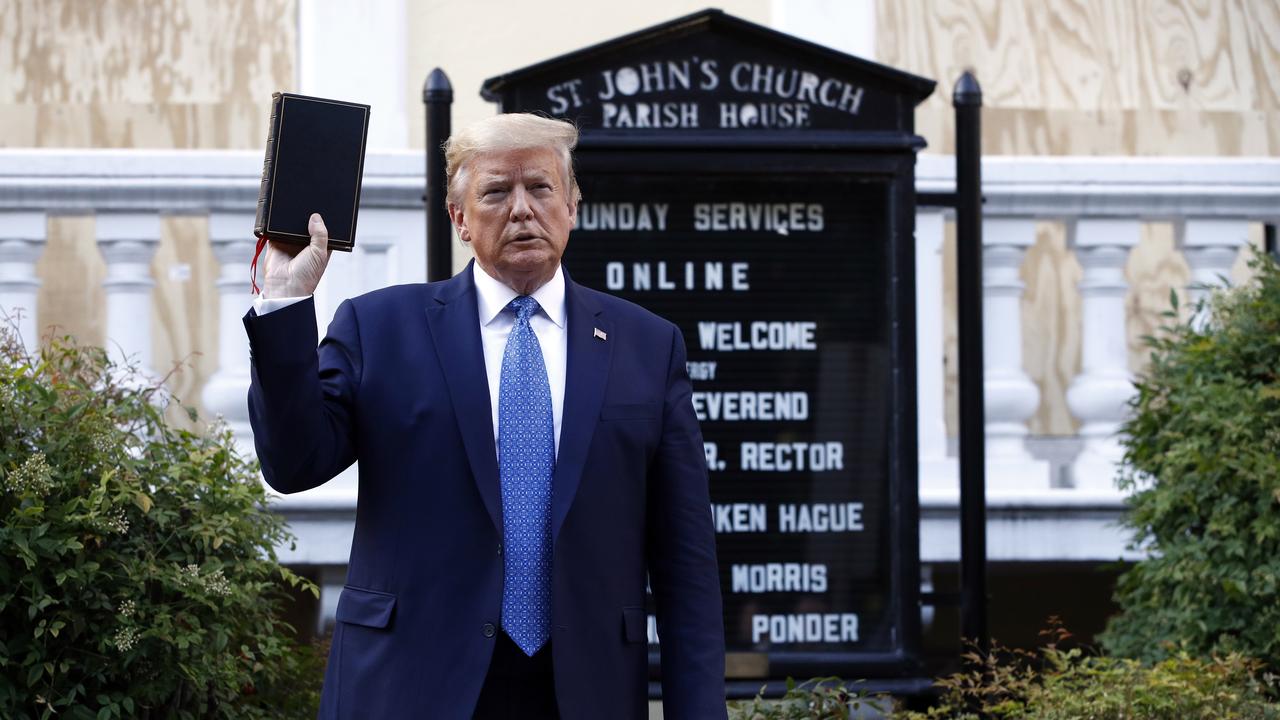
{"x": 292, "y": 270}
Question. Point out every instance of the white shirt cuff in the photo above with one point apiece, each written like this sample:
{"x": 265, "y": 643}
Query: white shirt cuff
{"x": 262, "y": 305}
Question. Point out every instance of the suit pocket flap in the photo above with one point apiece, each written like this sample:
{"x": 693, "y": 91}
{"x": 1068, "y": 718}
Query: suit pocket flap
{"x": 632, "y": 411}
{"x": 635, "y": 624}
{"x": 370, "y": 608}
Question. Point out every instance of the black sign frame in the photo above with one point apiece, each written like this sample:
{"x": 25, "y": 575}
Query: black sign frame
{"x": 895, "y": 167}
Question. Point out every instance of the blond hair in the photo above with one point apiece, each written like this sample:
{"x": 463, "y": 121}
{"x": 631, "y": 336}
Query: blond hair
{"x": 509, "y": 131}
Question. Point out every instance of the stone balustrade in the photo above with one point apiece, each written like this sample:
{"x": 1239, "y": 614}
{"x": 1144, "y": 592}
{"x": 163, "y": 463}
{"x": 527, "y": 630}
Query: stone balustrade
{"x": 1102, "y": 203}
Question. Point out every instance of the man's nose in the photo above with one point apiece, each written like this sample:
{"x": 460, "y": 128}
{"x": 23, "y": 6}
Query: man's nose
{"x": 521, "y": 210}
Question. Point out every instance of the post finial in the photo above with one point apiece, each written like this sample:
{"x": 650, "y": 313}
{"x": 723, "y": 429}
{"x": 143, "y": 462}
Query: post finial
{"x": 437, "y": 88}
{"x": 967, "y": 90}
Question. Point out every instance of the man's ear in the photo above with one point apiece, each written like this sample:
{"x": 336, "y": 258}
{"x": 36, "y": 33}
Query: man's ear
{"x": 459, "y": 222}
{"x": 573, "y": 210}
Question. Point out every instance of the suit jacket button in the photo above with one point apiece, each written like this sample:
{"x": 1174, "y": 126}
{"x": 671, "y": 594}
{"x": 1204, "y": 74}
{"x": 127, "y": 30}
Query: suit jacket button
{"x": 488, "y": 630}
{"x": 499, "y": 549}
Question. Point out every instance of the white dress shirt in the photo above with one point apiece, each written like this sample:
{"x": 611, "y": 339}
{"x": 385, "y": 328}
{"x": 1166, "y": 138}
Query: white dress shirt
{"x": 492, "y": 297}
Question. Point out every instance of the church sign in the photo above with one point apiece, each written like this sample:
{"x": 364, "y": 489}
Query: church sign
{"x": 758, "y": 191}
{"x": 693, "y": 93}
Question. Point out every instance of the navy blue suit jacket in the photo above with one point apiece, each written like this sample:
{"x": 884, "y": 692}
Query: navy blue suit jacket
{"x": 399, "y": 384}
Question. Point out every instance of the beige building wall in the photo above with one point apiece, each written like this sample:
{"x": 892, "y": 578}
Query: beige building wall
{"x": 1060, "y": 77}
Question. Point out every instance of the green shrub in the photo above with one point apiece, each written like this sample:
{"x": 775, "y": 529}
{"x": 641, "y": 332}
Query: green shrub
{"x": 1060, "y": 684}
{"x": 1202, "y": 457}
{"x": 138, "y": 575}
{"x": 816, "y": 699}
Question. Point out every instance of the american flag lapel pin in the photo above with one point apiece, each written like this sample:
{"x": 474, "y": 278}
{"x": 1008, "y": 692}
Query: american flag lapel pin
{"x": 597, "y": 332}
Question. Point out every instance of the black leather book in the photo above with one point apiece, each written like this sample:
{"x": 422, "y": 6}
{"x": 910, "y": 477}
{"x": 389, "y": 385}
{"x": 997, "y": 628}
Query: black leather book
{"x": 314, "y": 163}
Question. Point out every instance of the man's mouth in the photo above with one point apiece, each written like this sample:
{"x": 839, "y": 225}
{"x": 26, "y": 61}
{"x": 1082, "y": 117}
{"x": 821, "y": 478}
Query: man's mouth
{"x": 524, "y": 237}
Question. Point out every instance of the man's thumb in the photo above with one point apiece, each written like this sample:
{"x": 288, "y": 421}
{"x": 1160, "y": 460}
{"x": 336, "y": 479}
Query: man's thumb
{"x": 319, "y": 233}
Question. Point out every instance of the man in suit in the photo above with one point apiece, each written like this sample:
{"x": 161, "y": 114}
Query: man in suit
{"x": 529, "y": 456}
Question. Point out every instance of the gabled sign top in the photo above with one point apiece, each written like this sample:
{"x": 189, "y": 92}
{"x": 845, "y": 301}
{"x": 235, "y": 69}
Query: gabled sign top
{"x": 713, "y": 71}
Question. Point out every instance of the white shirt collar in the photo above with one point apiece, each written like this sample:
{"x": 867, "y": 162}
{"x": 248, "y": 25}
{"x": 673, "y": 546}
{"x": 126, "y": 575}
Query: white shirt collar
{"x": 492, "y": 296}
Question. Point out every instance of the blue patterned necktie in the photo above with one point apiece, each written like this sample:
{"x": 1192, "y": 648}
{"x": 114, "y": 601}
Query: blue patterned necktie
{"x": 526, "y": 459}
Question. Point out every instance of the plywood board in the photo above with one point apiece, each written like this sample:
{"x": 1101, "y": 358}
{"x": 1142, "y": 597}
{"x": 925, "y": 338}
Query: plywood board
{"x": 71, "y": 300}
{"x": 143, "y": 73}
{"x": 185, "y": 309}
{"x": 1070, "y": 77}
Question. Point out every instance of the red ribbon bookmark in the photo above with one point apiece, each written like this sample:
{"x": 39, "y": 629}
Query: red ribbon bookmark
{"x": 253, "y": 266}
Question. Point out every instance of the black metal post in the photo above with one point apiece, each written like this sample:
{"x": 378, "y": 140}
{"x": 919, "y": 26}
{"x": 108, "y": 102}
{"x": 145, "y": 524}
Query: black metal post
{"x": 967, "y": 100}
{"x": 437, "y": 95}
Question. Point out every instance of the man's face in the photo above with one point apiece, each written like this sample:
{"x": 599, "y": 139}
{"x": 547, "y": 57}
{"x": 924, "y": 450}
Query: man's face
{"x": 516, "y": 211}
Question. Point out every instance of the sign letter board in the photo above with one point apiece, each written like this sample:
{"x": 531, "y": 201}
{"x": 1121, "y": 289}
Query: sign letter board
{"x": 757, "y": 191}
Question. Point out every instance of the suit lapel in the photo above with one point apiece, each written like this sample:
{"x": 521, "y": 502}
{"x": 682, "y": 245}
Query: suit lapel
{"x": 586, "y": 375}
{"x": 455, "y": 332}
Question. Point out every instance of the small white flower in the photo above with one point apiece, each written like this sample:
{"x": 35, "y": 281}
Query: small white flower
{"x": 117, "y": 522}
{"x": 34, "y": 476}
{"x": 127, "y": 608}
{"x": 217, "y": 584}
{"x": 125, "y": 639}
{"x": 102, "y": 442}
{"x": 189, "y": 575}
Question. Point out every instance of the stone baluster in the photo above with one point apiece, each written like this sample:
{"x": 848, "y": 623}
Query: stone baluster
{"x": 1210, "y": 247}
{"x": 22, "y": 238}
{"x": 1098, "y": 397}
{"x": 231, "y": 236}
{"x": 1010, "y": 396}
{"x": 365, "y": 269}
{"x": 375, "y": 262}
{"x": 128, "y": 241}
{"x": 938, "y": 473}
